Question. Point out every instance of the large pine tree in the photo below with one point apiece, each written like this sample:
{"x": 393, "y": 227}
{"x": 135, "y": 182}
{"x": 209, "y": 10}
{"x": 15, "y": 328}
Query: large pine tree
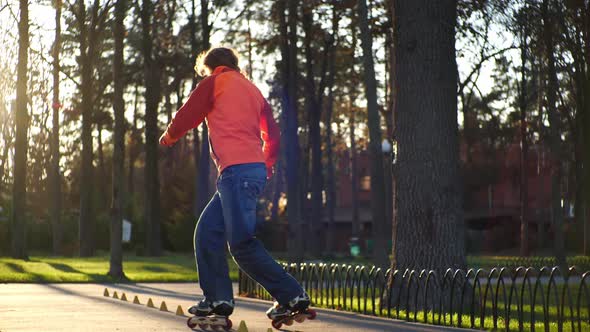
{"x": 428, "y": 217}
{"x": 153, "y": 94}
{"x": 116, "y": 261}
{"x": 19, "y": 190}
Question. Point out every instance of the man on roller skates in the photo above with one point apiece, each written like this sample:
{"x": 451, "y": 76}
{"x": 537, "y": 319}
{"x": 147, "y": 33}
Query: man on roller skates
{"x": 238, "y": 117}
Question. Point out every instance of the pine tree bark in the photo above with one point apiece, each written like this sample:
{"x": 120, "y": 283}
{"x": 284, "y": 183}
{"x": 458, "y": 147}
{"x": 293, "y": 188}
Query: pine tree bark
{"x": 118, "y": 202}
{"x": 380, "y": 255}
{"x": 313, "y": 106}
{"x": 524, "y": 224}
{"x": 19, "y": 189}
{"x": 152, "y": 99}
{"x": 554, "y": 135}
{"x": 428, "y": 217}
{"x": 586, "y": 129}
{"x": 204, "y": 168}
{"x": 87, "y": 220}
{"x": 133, "y": 148}
{"x": 54, "y": 173}
{"x": 354, "y": 177}
{"x": 331, "y": 176}
{"x": 288, "y": 31}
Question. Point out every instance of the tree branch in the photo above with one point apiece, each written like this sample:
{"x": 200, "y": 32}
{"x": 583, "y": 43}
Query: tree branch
{"x": 40, "y": 54}
{"x": 480, "y": 64}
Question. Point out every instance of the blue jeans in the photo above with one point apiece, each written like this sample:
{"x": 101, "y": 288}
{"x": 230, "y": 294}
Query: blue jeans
{"x": 230, "y": 217}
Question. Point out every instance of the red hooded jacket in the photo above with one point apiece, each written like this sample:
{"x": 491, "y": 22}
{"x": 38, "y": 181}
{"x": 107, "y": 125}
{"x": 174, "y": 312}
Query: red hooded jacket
{"x": 241, "y": 126}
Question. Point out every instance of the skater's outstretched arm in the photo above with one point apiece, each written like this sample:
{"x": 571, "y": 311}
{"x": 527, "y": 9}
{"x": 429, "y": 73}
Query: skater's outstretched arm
{"x": 271, "y": 135}
{"x": 192, "y": 113}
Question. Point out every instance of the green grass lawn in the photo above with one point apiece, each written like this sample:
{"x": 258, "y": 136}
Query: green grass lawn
{"x": 137, "y": 269}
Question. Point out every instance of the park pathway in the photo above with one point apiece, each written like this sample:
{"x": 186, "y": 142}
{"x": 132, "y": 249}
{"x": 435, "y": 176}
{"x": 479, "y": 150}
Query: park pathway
{"x": 83, "y": 307}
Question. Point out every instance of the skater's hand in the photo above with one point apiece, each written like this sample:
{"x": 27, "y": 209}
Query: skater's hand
{"x": 166, "y": 140}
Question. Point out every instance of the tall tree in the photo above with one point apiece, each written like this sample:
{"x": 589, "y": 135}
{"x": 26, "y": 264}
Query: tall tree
{"x": 19, "y": 189}
{"x": 314, "y": 97}
{"x": 152, "y": 75}
{"x": 554, "y": 134}
{"x": 331, "y": 176}
{"x": 118, "y": 203}
{"x": 381, "y": 257}
{"x": 524, "y": 224}
{"x": 288, "y": 32}
{"x": 196, "y": 141}
{"x": 585, "y": 119}
{"x": 54, "y": 173}
{"x": 428, "y": 231}
{"x": 352, "y": 95}
{"x": 204, "y": 162}
{"x": 90, "y": 23}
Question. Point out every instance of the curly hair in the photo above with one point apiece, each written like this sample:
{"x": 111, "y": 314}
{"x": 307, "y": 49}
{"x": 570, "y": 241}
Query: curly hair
{"x": 208, "y": 60}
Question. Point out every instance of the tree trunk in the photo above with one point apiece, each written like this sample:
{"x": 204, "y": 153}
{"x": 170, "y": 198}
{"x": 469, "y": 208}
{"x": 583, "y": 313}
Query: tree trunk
{"x": 554, "y": 137}
{"x": 101, "y": 184}
{"x": 54, "y": 174}
{"x": 196, "y": 141}
{"x": 524, "y": 224}
{"x": 288, "y": 28}
{"x": 203, "y": 192}
{"x": 315, "y": 139}
{"x": 152, "y": 99}
{"x": 135, "y": 142}
{"x": 354, "y": 178}
{"x": 277, "y": 190}
{"x": 19, "y": 188}
{"x": 331, "y": 177}
{"x": 380, "y": 255}
{"x": 428, "y": 217}
{"x": 586, "y": 131}
{"x": 86, "y": 222}
{"x": 118, "y": 203}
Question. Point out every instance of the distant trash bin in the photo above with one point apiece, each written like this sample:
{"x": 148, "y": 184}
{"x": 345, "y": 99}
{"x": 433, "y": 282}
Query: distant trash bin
{"x": 126, "y": 231}
{"x": 355, "y": 247}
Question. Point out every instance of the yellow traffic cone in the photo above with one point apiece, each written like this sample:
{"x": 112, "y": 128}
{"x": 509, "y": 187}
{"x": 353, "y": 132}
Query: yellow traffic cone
{"x": 242, "y": 327}
{"x": 106, "y": 293}
{"x": 136, "y": 300}
{"x": 115, "y": 295}
{"x": 179, "y": 311}
{"x": 150, "y": 304}
{"x": 123, "y": 297}
{"x": 163, "y": 306}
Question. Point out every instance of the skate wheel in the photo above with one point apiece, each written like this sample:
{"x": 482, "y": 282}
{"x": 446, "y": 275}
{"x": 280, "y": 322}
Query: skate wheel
{"x": 312, "y": 314}
{"x": 288, "y": 322}
{"x": 190, "y": 324}
{"x": 228, "y": 325}
{"x": 203, "y": 326}
{"x": 300, "y": 319}
{"x": 277, "y": 324}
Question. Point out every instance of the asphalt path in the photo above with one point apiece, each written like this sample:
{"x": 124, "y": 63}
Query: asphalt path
{"x": 83, "y": 307}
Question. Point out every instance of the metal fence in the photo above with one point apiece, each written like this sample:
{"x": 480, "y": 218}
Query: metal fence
{"x": 520, "y": 299}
